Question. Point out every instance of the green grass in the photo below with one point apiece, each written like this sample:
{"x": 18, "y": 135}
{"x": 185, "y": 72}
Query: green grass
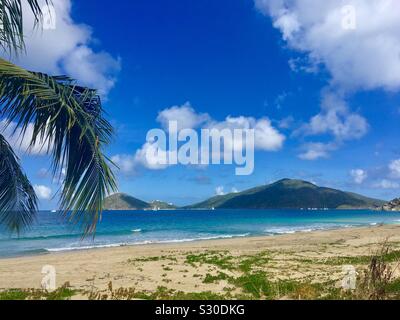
{"x": 248, "y": 263}
{"x": 14, "y": 294}
{"x": 206, "y": 295}
{"x": 62, "y": 293}
{"x": 218, "y": 259}
{"x": 224, "y": 261}
{"x": 212, "y": 279}
{"x": 162, "y": 293}
{"x": 153, "y": 259}
{"x": 394, "y": 288}
{"x": 255, "y": 284}
{"x": 147, "y": 259}
{"x": 392, "y": 256}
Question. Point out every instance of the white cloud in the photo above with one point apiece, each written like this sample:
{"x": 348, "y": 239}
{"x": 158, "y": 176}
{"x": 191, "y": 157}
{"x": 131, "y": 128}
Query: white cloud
{"x": 219, "y": 191}
{"x": 288, "y": 24}
{"x": 364, "y": 57}
{"x": 43, "y": 173}
{"x": 385, "y": 176}
{"x": 280, "y": 99}
{"x": 148, "y": 156}
{"x": 21, "y": 142}
{"x": 359, "y": 175}
{"x": 125, "y": 163}
{"x": 42, "y": 192}
{"x": 266, "y": 137}
{"x": 185, "y": 116}
{"x": 387, "y": 184}
{"x": 67, "y": 49}
{"x": 97, "y": 70}
{"x": 336, "y": 119}
{"x": 286, "y": 123}
{"x": 316, "y": 150}
{"x": 394, "y": 168}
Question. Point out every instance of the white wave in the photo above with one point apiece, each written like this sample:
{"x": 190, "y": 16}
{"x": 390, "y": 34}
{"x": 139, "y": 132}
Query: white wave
{"x": 114, "y": 245}
{"x": 292, "y": 230}
{"x": 136, "y": 230}
{"x": 228, "y": 236}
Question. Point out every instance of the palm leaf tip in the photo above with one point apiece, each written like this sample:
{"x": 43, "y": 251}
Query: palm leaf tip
{"x": 12, "y": 22}
{"x": 18, "y": 201}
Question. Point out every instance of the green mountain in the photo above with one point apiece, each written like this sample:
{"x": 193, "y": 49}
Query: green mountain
{"x": 122, "y": 201}
{"x": 289, "y": 194}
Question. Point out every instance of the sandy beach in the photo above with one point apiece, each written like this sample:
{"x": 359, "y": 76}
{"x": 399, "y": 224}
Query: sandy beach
{"x": 178, "y": 266}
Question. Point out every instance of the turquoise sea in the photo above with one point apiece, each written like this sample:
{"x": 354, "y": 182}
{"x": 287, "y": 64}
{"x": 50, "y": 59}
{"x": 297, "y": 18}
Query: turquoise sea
{"x": 51, "y": 234}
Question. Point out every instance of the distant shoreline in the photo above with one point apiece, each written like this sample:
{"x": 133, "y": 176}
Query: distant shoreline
{"x": 252, "y": 209}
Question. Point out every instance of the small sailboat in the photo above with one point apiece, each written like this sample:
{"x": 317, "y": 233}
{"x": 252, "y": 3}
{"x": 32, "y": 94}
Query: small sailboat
{"x": 53, "y": 211}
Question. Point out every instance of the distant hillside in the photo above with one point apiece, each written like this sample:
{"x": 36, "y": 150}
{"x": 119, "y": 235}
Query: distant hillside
{"x": 161, "y": 205}
{"x": 122, "y": 201}
{"x": 289, "y": 194}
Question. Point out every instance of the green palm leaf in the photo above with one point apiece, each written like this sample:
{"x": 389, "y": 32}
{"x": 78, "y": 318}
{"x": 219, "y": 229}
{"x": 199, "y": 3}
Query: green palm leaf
{"x": 11, "y": 22}
{"x": 18, "y": 202}
{"x": 68, "y": 121}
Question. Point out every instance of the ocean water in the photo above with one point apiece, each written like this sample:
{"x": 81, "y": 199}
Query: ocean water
{"x": 51, "y": 234}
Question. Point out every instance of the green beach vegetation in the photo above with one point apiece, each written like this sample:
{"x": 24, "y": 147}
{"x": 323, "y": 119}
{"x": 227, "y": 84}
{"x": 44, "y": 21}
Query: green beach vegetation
{"x": 245, "y": 277}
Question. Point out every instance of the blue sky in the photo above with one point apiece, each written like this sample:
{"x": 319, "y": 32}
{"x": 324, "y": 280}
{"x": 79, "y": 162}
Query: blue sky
{"x": 330, "y": 94}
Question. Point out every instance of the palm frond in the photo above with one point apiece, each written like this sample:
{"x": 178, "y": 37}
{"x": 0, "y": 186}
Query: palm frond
{"x": 11, "y": 22}
{"x": 69, "y": 120}
{"x": 18, "y": 202}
